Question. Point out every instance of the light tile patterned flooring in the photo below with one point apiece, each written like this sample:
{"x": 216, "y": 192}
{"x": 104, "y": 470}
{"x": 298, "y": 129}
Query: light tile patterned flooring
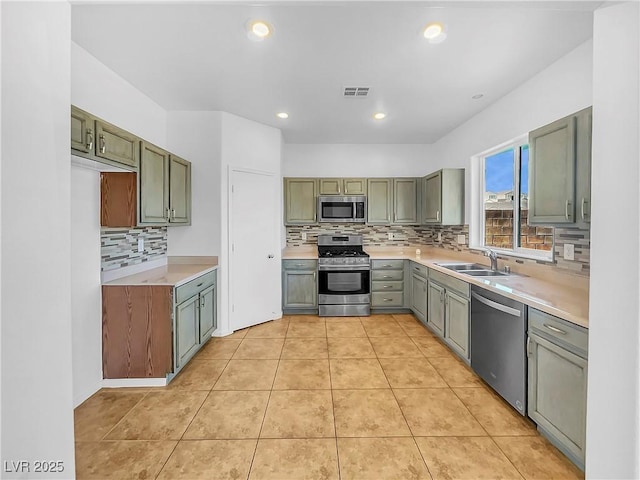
{"x": 313, "y": 398}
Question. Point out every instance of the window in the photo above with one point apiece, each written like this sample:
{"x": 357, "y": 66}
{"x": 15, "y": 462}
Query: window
{"x": 503, "y": 176}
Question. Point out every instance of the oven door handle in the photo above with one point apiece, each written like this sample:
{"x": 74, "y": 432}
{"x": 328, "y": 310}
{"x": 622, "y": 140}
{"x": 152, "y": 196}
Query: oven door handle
{"x": 343, "y": 268}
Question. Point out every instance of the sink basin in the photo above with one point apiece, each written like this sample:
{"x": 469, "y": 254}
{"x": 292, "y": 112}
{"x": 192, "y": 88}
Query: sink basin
{"x": 462, "y": 266}
{"x": 483, "y": 273}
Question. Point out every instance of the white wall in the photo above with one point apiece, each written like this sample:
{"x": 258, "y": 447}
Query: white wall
{"x": 356, "y": 160}
{"x": 559, "y": 90}
{"x": 98, "y": 90}
{"x": 251, "y": 145}
{"x": 613, "y": 407}
{"x": 197, "y": 136}
{"x": 86, "y": 311}
{"x": 37, "y": 404}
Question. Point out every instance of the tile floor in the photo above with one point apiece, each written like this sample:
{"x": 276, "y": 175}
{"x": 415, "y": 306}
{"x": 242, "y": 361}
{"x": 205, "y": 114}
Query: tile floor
{"x": 313, "y": 398}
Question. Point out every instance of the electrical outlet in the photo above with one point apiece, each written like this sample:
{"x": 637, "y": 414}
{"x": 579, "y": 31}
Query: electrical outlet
{"x": 304, "y": 235}
{"x": 140, "y": 245}
{"x": 461, "y": 240}
{"x": 439, "y": 236}
{"x": 569, "y": 250}
{"x": 390, "y": 236}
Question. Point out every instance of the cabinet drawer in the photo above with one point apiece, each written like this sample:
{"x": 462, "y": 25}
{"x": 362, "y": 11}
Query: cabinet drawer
{"x": 451, "y": 283}
{"x": 188, "y": 290}
{"x": 387, "y": 264}
{"x": 380, "y": 286}
{"x": 558, "y": 329}
{"x": 418, "y": 269}
{"x": 387, "y": 275}
{"x": 299, "y": 264}
{"x": 386, "y": 299}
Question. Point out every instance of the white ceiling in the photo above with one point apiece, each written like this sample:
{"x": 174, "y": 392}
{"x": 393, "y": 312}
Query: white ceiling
{"x": 198, "y": 57}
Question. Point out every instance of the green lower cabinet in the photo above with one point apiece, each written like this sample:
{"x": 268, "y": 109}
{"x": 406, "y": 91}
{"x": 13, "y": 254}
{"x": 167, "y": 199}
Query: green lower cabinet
{"x": 187, "y": 324}
{"x": 457, "y": 322}
{"x": 207, "y": 313}
{"x": 419, "y": 297}
{"x": 435, "y": 307}
{"x": 558, "y": 395}
{"x": 299, "y": 290}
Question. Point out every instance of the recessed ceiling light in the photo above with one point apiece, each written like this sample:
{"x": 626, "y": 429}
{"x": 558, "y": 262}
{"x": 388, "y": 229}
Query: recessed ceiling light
{"x": 282, "y": 115}
{"x": 478, "y": 96}
{"x": 379, "y": 115}
{"x": 434, "y": 32}
{"x": 259, "y": 30}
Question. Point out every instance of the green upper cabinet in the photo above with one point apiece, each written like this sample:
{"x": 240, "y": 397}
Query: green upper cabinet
{"x": 379, "y": 201}
{"x": 583, "y": 166}
{"x": 343, "y": 186}
{"x": 443, "y": 197}
{"x": 405, "y": 201}
{"x": 179, "y": 190}
{"x": 552, "y": 169}
{"x": 153, "y": 181}
{"x": 116, "y": 145}
{"x": 82, "y": 131}
{"x": 300, "y": 201}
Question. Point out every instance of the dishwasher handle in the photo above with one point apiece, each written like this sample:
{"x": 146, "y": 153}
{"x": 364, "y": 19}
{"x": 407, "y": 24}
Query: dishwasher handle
{"x": 498, "y": 306}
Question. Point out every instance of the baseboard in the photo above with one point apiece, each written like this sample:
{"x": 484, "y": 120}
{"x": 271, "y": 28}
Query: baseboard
{"x": 133, "y": 382}
{"x": 86, "y": 393}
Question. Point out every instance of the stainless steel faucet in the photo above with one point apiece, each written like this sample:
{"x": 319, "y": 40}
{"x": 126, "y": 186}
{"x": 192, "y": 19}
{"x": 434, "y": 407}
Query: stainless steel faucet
{"x": 493, "y": 256}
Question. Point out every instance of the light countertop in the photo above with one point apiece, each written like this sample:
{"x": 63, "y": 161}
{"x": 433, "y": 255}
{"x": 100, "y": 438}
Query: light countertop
{"x": 564, "y": 295}
{"x": 177, "y": 271}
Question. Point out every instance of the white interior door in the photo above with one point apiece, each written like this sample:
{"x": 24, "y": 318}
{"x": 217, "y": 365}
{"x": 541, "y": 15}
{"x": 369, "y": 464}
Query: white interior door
{"x": 255, "y": 248}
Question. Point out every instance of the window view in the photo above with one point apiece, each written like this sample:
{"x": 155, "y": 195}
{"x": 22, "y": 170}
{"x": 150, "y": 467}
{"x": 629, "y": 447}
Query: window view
{"x": 506, "y": 203}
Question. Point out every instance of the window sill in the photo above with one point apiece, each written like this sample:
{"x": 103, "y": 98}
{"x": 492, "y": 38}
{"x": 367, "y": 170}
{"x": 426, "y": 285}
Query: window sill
{"x": 511, "y": 253}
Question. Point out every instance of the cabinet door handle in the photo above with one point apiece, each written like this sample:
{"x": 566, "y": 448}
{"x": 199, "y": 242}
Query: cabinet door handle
{"x": 582, "y": 206}
{"x": 103, "y": 144}
{"x": 566, "y": 209}
{"x": 173, "y": 213}
{"x": 437, "y": 215}
{"x": 554, "y": 329}
{"x": 204, "y": 301}
{"x": 528, "y": 347}
{"x": 89, "y": 144}
{"x": 168, "y": 214}
{"x": 442, "y": 295}
{"x": 314, "y": 275}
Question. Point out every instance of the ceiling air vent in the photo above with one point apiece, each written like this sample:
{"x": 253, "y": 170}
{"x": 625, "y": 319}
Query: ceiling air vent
{"x": 356, "y": 92}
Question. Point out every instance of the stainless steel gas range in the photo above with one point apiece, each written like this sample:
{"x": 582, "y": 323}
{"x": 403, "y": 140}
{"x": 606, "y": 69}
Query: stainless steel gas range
{"x": 344, "y": 269}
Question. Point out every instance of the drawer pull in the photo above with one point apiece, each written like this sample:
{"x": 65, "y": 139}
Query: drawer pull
{"x": 554, "y": 329}
{"x": 387, "y": 266}
{"x": 388, "y": 299}
{"x": 386, "y": 276}
{"x": 200, "y": 284}
{"x": 299, "y": 264}
{"x": 416, "y": 269}
{"x": 387, "y": 286}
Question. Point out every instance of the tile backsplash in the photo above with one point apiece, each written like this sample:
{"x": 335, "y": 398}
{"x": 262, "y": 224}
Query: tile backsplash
{"x": 119, "y": 246}
{"x": 404, "y": 235}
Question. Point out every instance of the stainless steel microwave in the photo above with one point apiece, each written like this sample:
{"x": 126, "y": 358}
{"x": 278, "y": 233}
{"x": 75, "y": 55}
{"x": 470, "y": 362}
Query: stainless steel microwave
{"x": 338, "y": 209}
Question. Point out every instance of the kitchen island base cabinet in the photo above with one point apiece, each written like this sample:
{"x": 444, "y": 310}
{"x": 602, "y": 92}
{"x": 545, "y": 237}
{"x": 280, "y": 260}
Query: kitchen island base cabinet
{"x": 299, "y": 286}
{"x": 152, "y": 331}
{"x": 557, "y": 358}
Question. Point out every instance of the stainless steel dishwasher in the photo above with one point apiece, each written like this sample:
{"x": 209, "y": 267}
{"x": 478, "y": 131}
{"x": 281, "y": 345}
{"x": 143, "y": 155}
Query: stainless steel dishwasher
{"x": 498, "y": 345}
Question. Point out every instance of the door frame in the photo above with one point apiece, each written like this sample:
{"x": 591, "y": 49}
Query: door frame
{"x": 276, "y": 240}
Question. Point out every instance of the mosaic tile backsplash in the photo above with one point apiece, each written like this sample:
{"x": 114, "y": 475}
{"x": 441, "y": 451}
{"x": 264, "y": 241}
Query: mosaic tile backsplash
{"x": 119, "y": 246}
{"x": 405, "y": 235}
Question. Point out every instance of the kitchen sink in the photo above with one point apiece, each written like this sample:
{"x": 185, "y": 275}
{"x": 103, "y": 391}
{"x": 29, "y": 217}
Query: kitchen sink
{"x": 473, "y": 269}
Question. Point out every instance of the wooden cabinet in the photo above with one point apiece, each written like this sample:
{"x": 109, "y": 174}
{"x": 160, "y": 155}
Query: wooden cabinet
{"x": 379, "y": 201}
{"x": 164, "y": 187}
{"x": 154, "y": 183}
{"x": 343, "y": 186}
{"x": 118, "y": 199}
{"x": 387, "y": 285}
{"x": 82, "y": 131}
{"x": 419, "y": 296}
{"x": 300, "y": 201}
{"x": 179, "y": 191}
{"x": 116, "y": 145}
{"x": 557, "y": 388}
{"x": 299, "y": 286}
{"x": 560, "y": 171}
{"x": 449, "y": 311}
{"x": 153, "y": 331}
{"x": 405, "y": 198}
{"x": 443, "y": 197}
